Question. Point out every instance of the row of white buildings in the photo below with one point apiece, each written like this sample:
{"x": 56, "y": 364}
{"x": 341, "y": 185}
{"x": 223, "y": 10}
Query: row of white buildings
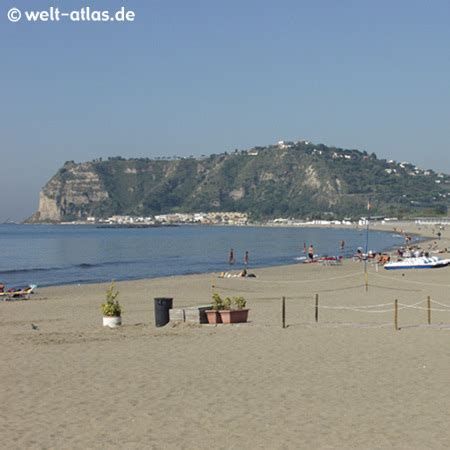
{"x": 212, "y": 218}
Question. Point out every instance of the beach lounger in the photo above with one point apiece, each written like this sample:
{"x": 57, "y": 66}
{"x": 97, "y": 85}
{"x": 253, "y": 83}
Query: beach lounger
{"x": 331, "y": 260}
{"x": 18, "y": 294}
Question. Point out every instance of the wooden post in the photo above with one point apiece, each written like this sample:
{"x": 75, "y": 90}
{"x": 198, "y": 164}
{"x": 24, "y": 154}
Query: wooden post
{"x": 283, "y": 311}
{"x": 366, "y": 279}
{"x": 396, "y": 314}
{"x": 317, "y": 308}
{"x": 429, "y": 310}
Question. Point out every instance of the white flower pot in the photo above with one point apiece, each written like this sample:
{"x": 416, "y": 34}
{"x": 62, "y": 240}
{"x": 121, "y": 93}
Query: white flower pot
{"x": 112, "y": 322}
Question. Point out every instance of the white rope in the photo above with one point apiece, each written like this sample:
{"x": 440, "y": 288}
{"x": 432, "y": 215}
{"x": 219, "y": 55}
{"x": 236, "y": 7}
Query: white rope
{"x": 440, "y": 304}
{"x": 355, "y": 308}
{"x": 374, "y": 306}
{"x": 360, "y": 308}
{"x": 255, "y": 280}
{"x": 411, "y": 281}
{"x": 424, "y": 309}
{"x": 415, "y": 304}
{"x": 353, "y": 324}
{"x": 347, "y": 308}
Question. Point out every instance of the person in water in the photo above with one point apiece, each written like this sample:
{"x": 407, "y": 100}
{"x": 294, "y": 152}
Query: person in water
{"x": 246, "y": 258}
{"x": 231, "y": 259}
{"x": 311, "y": 252}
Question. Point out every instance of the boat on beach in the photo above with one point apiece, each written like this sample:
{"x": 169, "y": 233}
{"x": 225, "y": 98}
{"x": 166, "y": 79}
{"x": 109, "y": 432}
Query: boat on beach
{"x": 421, "y": 262}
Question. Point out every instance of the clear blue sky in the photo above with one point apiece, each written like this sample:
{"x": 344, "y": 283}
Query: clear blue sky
{"x": 194, "y": 77}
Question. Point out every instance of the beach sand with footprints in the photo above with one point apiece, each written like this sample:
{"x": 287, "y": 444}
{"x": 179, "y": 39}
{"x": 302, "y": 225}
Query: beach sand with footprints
{"x": 350, "y": 380}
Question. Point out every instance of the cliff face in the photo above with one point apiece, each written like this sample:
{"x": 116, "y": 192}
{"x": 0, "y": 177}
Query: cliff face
{"x": 49, "y": 210}
{"x": 73, "y": 192}
{"x": 299, "y": 180}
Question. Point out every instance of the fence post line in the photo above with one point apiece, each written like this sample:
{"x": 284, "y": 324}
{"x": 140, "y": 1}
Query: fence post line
{"x": 283, "y": 311}
{"x": 317, "y": 308}
{"x": 396, "y": 314}
{"x": 429, "y": 310}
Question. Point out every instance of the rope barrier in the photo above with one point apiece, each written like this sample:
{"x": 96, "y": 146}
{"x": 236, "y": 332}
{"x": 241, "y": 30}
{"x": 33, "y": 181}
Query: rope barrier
{"x": 423, "y": 309}
{"x": 372, "y": 306}
{"x": 411, "y": 281}
{"x": 365, "y": 308}
{"x": 390, "y": 288}
{"x": 381, "y": 308}
{"x": 256, "y": 281}
{"x": 356, "y": 310}
{"x": 320, "y": 291}
{"x": 214, "y": 286}
{"x": 316, "y": 291}
{"x": 440, "y": 304}
{"x": 355, "y": 325}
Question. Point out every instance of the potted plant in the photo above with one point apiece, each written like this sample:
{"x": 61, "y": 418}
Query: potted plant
{"x": 213, "y": 314}
{"x": 227, "y": 310}
{"x": 112, "y": 311}
{"x": 234, "y": 310}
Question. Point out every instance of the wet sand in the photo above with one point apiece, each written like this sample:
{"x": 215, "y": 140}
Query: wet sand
{"x": 349, "y": 381}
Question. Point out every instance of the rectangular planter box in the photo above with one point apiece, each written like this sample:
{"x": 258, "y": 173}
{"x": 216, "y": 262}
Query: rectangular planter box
{"x": 234, "y": 315}
{"x": 213, "y": 316}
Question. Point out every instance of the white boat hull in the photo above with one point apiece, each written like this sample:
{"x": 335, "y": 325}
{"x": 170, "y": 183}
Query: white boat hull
{"x": 424, "y": 262}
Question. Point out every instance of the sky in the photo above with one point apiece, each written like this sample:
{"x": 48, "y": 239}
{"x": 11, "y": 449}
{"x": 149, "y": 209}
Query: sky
{"x": 199, "y": 77}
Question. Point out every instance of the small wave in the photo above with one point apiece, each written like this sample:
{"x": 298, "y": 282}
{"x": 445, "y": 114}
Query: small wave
{"x": 10, "y": 272}
{"x": 115, "y": 263}
{"x": 86, "y": 265}
{"x": 35, "y": 269}
{"x": 103, "y": 264}
{"x": 107, "y": 263}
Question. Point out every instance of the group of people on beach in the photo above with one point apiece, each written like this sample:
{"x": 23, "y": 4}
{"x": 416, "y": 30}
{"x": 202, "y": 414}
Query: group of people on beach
{"x": 232, "y": 261}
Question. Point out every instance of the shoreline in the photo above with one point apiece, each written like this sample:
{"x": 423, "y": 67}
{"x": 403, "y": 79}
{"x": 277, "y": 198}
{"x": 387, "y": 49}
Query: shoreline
{"x": 379, "y": 228}
{"x": 425, "y": 235}
{"x": 422, "y": 235}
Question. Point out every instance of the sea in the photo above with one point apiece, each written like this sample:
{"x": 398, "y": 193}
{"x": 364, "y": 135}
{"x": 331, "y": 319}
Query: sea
{"x": 48, "y": 255}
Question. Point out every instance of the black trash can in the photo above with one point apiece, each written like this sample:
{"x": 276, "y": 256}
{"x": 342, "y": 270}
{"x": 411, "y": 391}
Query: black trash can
{"x": 162, "y": 306}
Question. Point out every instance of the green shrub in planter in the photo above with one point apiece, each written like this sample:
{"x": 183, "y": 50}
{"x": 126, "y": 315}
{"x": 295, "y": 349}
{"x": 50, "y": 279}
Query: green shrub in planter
{"x": 112, "y": 308}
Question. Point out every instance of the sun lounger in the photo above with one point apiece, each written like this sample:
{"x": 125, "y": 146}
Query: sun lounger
{"x": 18, "y": 294}
{"x": 331, "y": 260}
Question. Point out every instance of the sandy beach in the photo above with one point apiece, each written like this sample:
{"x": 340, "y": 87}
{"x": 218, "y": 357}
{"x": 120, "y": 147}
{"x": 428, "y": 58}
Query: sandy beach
{"x": 349, "y": 381}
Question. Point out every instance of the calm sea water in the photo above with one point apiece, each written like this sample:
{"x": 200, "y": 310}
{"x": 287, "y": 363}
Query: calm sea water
{"x": 50, "y": 255}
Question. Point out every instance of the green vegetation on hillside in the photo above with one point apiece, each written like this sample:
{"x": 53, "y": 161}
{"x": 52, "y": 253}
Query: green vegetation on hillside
{"x": 299, "y": 180}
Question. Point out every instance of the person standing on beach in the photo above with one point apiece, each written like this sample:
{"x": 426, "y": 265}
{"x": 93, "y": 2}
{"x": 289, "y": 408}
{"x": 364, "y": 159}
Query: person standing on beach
{"x": 311, "y": 252}
{"x": 246, "y": 258}
{"x": 231, "y": 259}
